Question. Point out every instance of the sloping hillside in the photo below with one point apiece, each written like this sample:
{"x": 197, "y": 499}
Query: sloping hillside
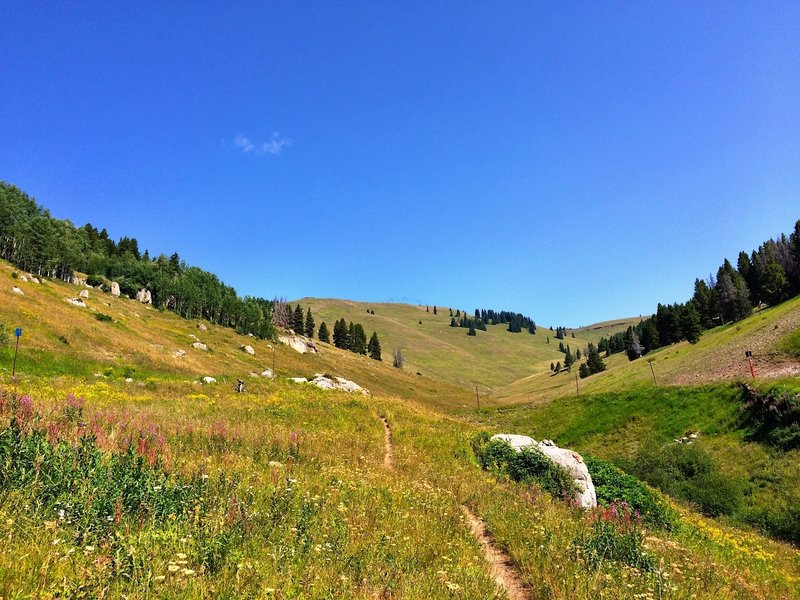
{"x": 489, "y": 360}
{"x": 718, "y": 356}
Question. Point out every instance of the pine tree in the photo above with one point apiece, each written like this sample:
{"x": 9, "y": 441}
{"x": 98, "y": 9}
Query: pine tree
{"x": 351, "y": 335}
{"x": 594, "y": 362}
{"x": 471, "y": 329}
{"x": 340, "y": 334}
{"x": 552, "y": 366}
{"x": 578, "y": 354}
{"x": 558, "y": 367}
{"x": 568, "y": 359}
{"x": 323, "y": 333}
{"x": 309, "y": 324}
{"x": 583, "y": 371}
{"x": 453, "y": 322}
{"x": 690, "y": 323}
{"x": 434, "y": 310}
{"x": 298, "y": 323}
{"x": 374, "y": 346}
{"x": 359, "y": 339}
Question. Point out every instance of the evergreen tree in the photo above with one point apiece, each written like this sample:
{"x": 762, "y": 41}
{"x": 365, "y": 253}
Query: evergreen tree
{"x": 552, "y": 367}
{"x": 374, "y": 346}
{"x": 453, "y": 322}
{"x": 351, "y": 336}
{"x": 323, "y": 333}
{"x": 359, "y": 340}
{"x": 594, "y": 363}
{"x": 583, "y": 371}
{"x": 309, "y": 323}
{"x": 298, "y": 322}
{"x": 568, "y": 359}
{"x": 635, "y": 349}
{"x": 578, "y": 354}
{"x": 434, "y": 310}
{"x": 451, "y": 312}
{"x": 340, "y": 334}
{"x": 558, "y": 367}
{"x": 690, "y": 323}
{"x": 471, "y": 329}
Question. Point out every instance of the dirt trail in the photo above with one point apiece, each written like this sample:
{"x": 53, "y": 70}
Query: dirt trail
{"x": 500, "y": 566}
{"x": 388, "y": 458}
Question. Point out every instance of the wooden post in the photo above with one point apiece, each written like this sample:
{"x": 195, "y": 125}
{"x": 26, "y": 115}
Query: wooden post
{"x": 577, "y": 388}
{"x": 650, "y": 362}
{"x": 477, "y": 397}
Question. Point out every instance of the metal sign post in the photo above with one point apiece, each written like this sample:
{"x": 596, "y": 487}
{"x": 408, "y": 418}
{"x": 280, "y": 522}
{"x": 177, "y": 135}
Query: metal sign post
{"x": 749, "y": 356}
{"x": 17, "y": 334}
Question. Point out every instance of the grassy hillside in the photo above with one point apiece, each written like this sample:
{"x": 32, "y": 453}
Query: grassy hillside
{"x": 718, "y": 356}
{"x": 168, "y": 488}
{"x": 490, "y": 360}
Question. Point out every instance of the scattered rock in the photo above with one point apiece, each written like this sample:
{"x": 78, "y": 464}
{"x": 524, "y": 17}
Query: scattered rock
{"x": 35, "y": 279}
{"x": 200, "y": 346}
{"x": 202, "y": 327}
{"x": 570, "y": 460}
{"x": 18, "y": 291}
{"x": 75, "y": 280}
{"x": 192, "y": 336}
{"x": 23, "y": 278}
{"x": 115, "y": 289}
{"x": 208, "y": 379}
{"x": 129, "y": 380}
{"x": 84, "y": 294}
{"x": 253, "y": 374}
{"x": 144, "y": 296}
{"x": 179, "y": 353}
{"x": 267, "y": 373}
{"x": 299, "y": 343}
{"x": 275, "y": 464}
{"x": 76, "y": 302}
{"x": 249, "y": 350}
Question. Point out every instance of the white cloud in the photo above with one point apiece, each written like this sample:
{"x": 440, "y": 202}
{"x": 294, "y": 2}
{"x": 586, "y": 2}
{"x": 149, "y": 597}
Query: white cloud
{"x": 274, "y": 146}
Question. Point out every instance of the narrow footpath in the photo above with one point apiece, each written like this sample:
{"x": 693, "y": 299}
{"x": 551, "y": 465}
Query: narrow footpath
{"x": 388, "y": 458}
{"x": 500, "y": 566}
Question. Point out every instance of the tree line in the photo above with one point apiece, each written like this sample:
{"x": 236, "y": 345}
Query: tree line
{"x": 767, "y": 276}
{"x": 33, "y": 241}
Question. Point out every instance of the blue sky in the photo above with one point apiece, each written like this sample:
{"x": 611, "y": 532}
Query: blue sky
{"x": 572, "y": 161}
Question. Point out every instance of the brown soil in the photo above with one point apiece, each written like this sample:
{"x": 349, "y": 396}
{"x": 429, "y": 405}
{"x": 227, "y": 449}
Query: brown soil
{"x": 728, "y": 361}
{"x": 500, "y": 566}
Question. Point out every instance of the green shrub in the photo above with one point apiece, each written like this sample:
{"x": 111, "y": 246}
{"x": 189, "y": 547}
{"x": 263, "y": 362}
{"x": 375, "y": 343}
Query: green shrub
{"x": 614, "y": 485}
{"x": 773, "y": 416}
{"x": 103, "y": 317}
{"x": 688, "y": 472}
{"x": 527, "y": 466}
{"x": 95, "y": 280}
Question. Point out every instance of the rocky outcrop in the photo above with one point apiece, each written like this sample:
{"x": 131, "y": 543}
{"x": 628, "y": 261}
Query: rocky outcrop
{"x": 200, "y": 346}
{"x": 76, "y": 302}
{"x": 326, "y": 382}
{"x": 249, "y": 350}
{"x": 202, "y": 327}
{"x": 75, "y": 280}
{"x": 179, "y": 353}
{"x": 23, "y": 278}
{"x": 34, "y": 279}
{"x": 144, "y": 296}
{"x": 115, "y": 289}
{"x": 299, "y": 343}
{"x": 568, "y": 459}
{"x": 17, "y": 291}
{"x": 267, "y": 373}
{"x": 84, "y": 294}
{"x": 208, "y": 379}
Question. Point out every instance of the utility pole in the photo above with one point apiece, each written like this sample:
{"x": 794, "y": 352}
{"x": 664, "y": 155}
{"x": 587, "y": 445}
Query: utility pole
{"x": 18, "y": 334}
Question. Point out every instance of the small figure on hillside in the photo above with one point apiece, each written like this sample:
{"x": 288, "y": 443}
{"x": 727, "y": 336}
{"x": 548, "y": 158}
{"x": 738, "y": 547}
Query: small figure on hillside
{"x": 239, "y": 386}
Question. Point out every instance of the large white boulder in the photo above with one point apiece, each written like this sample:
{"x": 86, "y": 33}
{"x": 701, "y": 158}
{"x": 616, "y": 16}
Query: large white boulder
{"x": 200, "y": 346}
{"x": 208, "y": 379}
{"x": 76, "y": 302}
{"x": 249, "y": 350}
{"x": 84, "y": 294}
{"x": 17, "y": 291}
{"x": 144, "y": 296}
{"x": 23, "y": 278}
{"x": 568, "y": 459}
{"x": 115, "y": 289}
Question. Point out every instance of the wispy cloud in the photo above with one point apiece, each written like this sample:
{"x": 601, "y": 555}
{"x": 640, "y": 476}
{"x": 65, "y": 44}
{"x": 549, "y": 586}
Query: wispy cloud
{"x": 274, "y": 146}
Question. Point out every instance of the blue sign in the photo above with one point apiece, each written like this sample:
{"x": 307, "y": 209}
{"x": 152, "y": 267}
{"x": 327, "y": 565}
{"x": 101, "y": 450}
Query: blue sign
{"x": 18, "y": 332}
